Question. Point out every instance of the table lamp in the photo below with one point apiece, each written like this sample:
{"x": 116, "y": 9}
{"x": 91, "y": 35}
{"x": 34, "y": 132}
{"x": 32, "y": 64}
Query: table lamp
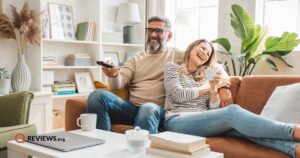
{"x": 128, "y": 13}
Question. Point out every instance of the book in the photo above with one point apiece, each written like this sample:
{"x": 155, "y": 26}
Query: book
{"x": 82, "y": 31}
{"x": 177, "y": 142}
{"x": 205, "y": 150}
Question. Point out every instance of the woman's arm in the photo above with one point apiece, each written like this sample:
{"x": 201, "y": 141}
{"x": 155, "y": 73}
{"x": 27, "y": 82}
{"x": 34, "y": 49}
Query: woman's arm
{"x": 173, "y": 85}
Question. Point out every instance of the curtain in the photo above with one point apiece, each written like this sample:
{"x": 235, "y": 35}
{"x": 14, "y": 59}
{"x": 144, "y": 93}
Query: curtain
{"x": 155, "y": 8}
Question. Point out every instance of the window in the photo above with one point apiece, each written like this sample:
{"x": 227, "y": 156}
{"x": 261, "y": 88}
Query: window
{"x": 192, "y": 19}
{"x": 282, "y": 15}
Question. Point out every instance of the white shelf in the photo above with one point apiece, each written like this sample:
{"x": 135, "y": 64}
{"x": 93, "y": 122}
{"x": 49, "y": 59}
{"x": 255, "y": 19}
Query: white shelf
{"x": 71, "y": 67}
{"x": 70, "y": 95}
{"x": 122, "y": 44}
{"x": 70, "y": 41}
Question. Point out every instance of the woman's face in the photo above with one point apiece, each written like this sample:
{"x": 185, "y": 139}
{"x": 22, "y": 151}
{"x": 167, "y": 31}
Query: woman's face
{"x": 200, "y": 54}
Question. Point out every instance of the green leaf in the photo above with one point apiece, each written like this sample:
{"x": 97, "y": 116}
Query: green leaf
{"x": 224, "y": 42}
{"x": 270, "y": 63}
{"x": 253, "y": 48}
{"x": 241, "y": 21}
{"x": 278, "y": 56}
{"x": 284, "y": 44}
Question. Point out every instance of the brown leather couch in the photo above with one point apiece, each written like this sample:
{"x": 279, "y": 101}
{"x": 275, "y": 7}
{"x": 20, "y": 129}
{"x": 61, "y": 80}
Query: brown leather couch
{"x": 250, "y": 92}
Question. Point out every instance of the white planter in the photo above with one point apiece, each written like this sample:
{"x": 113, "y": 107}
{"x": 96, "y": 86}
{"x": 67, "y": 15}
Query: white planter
{"x": 4, "y": 86}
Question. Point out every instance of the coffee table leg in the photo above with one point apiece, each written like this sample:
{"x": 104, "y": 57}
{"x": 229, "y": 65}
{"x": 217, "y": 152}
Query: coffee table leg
{"x": 15, "y": 154}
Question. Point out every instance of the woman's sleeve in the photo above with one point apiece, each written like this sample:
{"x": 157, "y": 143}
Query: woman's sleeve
{"x": 173, "y": 85}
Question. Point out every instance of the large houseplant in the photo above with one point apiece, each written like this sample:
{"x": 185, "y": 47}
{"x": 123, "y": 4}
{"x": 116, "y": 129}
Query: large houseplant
{"x": 255, "y": 46}
{"x": 24, "y": 27}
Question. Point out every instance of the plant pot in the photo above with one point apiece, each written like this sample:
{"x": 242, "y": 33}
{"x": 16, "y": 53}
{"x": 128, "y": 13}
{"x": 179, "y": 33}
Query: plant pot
{"x": 4, "y": 86}
{"x": 20, "y": 78}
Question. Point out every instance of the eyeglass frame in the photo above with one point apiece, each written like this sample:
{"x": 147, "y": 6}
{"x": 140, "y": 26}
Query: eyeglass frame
{"x": 156, "y": 30}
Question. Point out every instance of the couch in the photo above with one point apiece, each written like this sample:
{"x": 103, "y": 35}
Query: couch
{"x": 250, "y": 92}
{"x": 14, "y": 113}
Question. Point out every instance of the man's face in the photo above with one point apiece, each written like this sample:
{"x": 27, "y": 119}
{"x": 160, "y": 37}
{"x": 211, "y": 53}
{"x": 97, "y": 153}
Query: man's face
{"x": 157, "y": 36}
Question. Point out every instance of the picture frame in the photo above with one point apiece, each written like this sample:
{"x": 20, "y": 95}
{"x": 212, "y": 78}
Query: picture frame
{"x": 61, "y": 21}
{"x": 84, "y": 82}
{"x": 113, "y": 57}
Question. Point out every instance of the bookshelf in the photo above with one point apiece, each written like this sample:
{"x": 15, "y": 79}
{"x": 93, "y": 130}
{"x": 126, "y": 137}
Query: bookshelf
{"x": 101, "y": 12}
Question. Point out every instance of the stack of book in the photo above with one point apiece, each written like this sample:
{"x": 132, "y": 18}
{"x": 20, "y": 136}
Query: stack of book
{"x": 86, "y": 31}
{"x": 64, "y": 87}
{"x": 49, "y": 60}
{"x": 171, "y": 144}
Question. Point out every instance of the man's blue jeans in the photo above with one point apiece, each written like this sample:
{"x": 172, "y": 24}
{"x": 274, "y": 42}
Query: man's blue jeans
{"x": 235, "y": 121}
{"x": 111, "y": 109}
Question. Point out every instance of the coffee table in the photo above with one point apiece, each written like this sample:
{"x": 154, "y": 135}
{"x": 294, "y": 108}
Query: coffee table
{"x": 114, "y": 147}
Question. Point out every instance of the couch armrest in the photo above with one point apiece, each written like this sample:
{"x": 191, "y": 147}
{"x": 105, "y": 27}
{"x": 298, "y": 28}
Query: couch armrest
{"x": 14, "y": 108}
{"x": 74, "y": 107}
{"x": 8, "y": 133}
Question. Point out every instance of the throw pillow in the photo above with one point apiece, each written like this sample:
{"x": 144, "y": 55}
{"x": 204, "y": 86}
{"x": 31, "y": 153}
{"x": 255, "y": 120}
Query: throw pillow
{"x": 123, "y": 93}
{"x": 284, "y": 104}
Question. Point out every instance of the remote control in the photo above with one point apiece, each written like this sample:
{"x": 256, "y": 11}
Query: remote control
{"x": 104, "y": 64}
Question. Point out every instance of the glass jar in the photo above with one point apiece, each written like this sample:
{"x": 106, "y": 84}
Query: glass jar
{"x": 137, "y": 139}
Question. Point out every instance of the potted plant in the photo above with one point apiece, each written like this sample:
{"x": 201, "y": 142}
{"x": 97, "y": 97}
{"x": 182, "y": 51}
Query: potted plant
{"x": 23, "y": 28}
{"x": 255, "y": 46}
{"x": 4, "y": 81}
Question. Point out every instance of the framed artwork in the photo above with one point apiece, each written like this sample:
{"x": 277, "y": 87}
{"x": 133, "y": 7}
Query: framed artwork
{"x": 61, "y": 21}
{"x": 84, "y": 82}
{"x": 113, "y": 57}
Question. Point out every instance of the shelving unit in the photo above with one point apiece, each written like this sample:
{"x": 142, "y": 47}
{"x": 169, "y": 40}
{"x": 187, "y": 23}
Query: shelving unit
{"x": 70, "y": 41}
{"x": 123, "y": 45}
{"x": 99, "y": 11}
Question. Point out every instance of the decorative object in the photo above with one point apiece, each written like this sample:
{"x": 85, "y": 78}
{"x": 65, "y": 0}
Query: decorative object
{"x": 128, "y": 13}
{"x": 61, "y": 21}
{"x": 45, "y": 25}
{"x": 283, "y": 105}
{"x": 83, "y": 59}
{"x": 255, "y": 46}
{"x": 112, "y": 57}
{"x": 4, "y": 81}
{"x": 84, "y": 82}
{"x": 21, "y": 79}
{"x": 23, "y": 27}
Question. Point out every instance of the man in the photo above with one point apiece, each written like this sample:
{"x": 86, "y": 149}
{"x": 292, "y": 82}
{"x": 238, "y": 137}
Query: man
{"x": 143, "y": 74}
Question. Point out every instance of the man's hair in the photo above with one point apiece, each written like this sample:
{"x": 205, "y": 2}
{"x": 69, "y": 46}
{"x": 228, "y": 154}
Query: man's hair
{"x": 161, "y": 19}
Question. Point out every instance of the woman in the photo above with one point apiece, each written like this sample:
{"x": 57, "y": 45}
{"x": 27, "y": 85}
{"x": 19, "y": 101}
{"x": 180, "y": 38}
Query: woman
{"x": 193, "y": 105}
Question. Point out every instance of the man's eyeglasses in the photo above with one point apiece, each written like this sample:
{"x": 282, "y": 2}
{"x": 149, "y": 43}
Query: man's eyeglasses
{"x": 157, "y": 31}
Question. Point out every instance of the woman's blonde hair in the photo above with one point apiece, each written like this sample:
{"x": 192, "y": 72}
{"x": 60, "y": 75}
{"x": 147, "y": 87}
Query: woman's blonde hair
{"x": 199, "y": 74}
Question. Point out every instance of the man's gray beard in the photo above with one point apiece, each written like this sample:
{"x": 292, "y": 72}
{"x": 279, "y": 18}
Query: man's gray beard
{"x": 157, "y": 47}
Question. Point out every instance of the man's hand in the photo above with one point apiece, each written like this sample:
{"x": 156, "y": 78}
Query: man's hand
{"x": 111, "y": 72}
{"x": 225, "y": 97}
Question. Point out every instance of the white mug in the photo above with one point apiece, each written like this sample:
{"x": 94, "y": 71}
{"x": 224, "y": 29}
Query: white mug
{"x": 210, "y": 74}
{"x": 87, "y": 122}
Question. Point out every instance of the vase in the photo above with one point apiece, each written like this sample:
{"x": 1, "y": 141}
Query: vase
{"x": 21, "y": 79}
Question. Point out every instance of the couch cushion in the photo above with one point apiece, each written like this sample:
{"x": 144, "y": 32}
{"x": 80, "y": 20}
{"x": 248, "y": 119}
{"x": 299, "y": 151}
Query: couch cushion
{"x": 254, "y": 91}
{"x": 284, "y": 104}
{"x": 241, "y": 148}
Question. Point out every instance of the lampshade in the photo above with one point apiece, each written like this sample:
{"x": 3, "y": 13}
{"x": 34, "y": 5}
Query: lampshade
{"x": 128, "y": 13}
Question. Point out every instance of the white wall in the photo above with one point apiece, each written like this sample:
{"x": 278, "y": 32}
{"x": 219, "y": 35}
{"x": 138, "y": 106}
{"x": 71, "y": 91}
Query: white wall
{"x": 225, "y": 30}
